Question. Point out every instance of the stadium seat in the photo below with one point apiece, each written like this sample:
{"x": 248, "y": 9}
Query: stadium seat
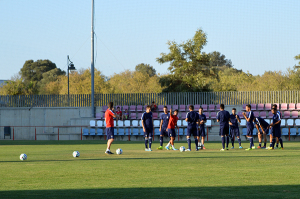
{"x": 240, "y": 113}
{"x": 92, "y": 132}
{"x": 211, "y": 107}
{"x": 125, "y": 107}
{"x": 285, "y": 131}
{"x": 283, "y": 122}
{"x": 208, "y": 123}
{"x": 298, "y": 106}
{"x": 290, "y": 122}
{"x": 160, "y": 108}
{"x": 205, "y": 107}
{"x": 213, "y": 115}
{"x": 184, "y": 123}
{"x": 175, "y": 107}
{"x": 181, "y": 131}
{"x": 244, "y": 107}
{"x": 85, "y": 132}
{"x": 263, "y": 114}
{"x": 104, "y": 108}
{"x": 134, "y": 123}
{"x": 100, "y": 131}
{"x": 135, "y": 131}
{"x": 169, "y": 107}
{"x": 98, "y": 116}
{"x": 120, "y": 123}
{"x": 127, "y": 123}
{"x": 270, "y": 114}
{"x": 179, "y": 123}
{"x": 295, "y": 114}
{"x": 155, "y": 115}
{"x": 206, "y": 114}
{"x": 132, "y": 108}
{"x": 218, "y": 107}
{"x": 268, "y": 107}
{"x": 286, "y": 114}
{"x": 253, "y": 107}
{"x": 139, "y": 116}
{"x": 156, "y": 131}
{"x": 243, "y": 122}
{"x": 283, "y": 107}
{"x": 181, "y": 108}
{"x": 182, "y": 115}
{"x": 100, "y": 123}
{"x": 260, "y": 107}
{"x": 133, "y": 116}
{"x": 122, "y": 131}
{"x": 244, "y": 130}
{"x": 115, "y": 123}
{"x": 268, "y": 121}
{"x": 292, "y": 106}
{"x": 297, "y": 122}
{"x": 256, "y": 113}
{"x": 104, "y": 123}
{"x": 139, "y": 108}
{"x": 293, "y": 131}
{"x": 92, "y": 123}
{"x": 156, "y": 123}
{"x": 197, "y": 106}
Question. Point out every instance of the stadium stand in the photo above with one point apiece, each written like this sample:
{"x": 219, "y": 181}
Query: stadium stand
{"x": 125, "y": 107}
{"x": 298, "y": 106}
{"x": 260, "y": 107}
{"x": 293, "y": 131}
{"x": 174, "y": 107}
{"x": 253, "y": 107}
{"x": 169, "y": 107}
{"x": 283, "y": 122}
{"x": 100, "y": 131}
{"x": 134, "y": 123}
{"x": 244, "y": 107}
{"x": 297, "y": 122}
{"x": 243, "y": 122}
{"x": 181, "y": 131}
{"x": 132, "y": 108}
{"x": 270, "y": 115}
{"x": 181, "y": 108}
{"x": 92, "y": 123}
{"x": 92, "y": 132}
{"x": 244, "y": 131}
{"x": 206, "y": 114}
{"x": 134, "y": 131}
{"x": 160, "y": 108}
{"x": 208, "y": 123}
{"x": 295, "y": 114}
{"x": 132, "y": 115}
{"x": 204, "y": 106}
{"x": 99, "y": 123}
{"x": 268, "y": 107}
{"x": 197, "y": 106}
{"x": 85, "y": 132}
{"x": 256, "y": 113}
{"x": 139, "y": 116}
{"x": 139, "y": 108}
{"x": 104, "y": 108}
{"x": 283, "y": 107}
{"x": 286, "y": 114}
{"x": 290, "y": 122}
{"x": 213, "y": 115}
{"x": 240, "y": 113}
{"x": 292, "y": 106}
{"x": 218, "y": 107}
{"x": 156, "y": 123}
{"x": 285, "y": 131}
{"x": 120, "y": 123}
{"x": 155, "y": 115}
{"x": 263, "y": 114}
{"x": 211, "y": 107}
{"x": 98, "y": 116}
{"x": 156, "y": 131}
{"x": 122, "y": 131}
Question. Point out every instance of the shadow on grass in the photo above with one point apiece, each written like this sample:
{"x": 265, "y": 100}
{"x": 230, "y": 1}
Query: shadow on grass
{"x": 261, "y": 191}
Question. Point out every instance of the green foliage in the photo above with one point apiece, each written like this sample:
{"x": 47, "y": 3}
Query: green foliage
{"x": 297, "y": 57}
{"x": 146, "y": 69}
{"x": 217, "y": 59}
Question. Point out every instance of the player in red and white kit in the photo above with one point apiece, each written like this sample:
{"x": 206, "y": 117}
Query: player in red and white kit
{"x": 171, "y": 128}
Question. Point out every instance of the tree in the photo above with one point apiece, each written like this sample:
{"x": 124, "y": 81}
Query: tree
{"x": 50, "y": 76}
{"x": 297, "y": 57}
{"x": 146, "y": 69}
{"x": 217, "y": 59}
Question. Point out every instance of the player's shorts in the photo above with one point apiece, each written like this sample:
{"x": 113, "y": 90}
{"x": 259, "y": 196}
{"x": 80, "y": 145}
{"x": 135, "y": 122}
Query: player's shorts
{"x": 172, "y": 133}
{"x": 201, "y": 132}
{"x": 148, "y": 133}
{"x": 224, "y": 131}
{"x": 234, "y": 132}
{"x": 164, "y": 132}
{"x": 276, "y": 132}
{"x": 110, "y": 133}
{"x": 250, "y": 131}
{"x": 265, "y": 130}
{"x": 191, "y": 131}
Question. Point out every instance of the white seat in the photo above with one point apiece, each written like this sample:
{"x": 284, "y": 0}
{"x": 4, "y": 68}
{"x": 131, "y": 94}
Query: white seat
{"x": 156, "y": 123}
{"x": 115, "y": 123}
{"x": 92, "y": 123}
{"x": 283, "y": 122}
{"x": 297, "y": 122}
{"x": 120, "y": 123}
{"x": 243, "y": 122}
{"x": 99, "y": 123}
{"x": 135, "y": 122}
{"x": 127, "y": 123}
{"x": 179, "y": 123}
{"x": 184, "y": 123}
{"x": 268, "y": 120}
{"x": 208, "y": 123}
{"x": 290, "y": 122}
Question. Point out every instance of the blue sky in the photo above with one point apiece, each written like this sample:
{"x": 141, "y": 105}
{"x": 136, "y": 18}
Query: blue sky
{"x": 256, "y": 35}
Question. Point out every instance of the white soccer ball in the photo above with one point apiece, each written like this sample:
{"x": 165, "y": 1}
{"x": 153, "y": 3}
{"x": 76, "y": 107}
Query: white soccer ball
{"x": 119, "y": 151}
{"x": 76, "y": 154}
{"x": 200, "y": 146}
{"x": 182, "y": 149}
{"x": 23, "y": 156}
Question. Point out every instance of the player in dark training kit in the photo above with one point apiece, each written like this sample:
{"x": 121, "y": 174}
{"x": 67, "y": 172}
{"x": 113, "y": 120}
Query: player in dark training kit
{"x": 263, "y": 129}
{"x": 147, "y": 123}
{"x": 201, "y": 130}
{"x": 249, "y": 116}
{"x": 234, "y": 128}
{"x": 276, "y": 129}
{"x": 223, "y": 117}
{"x": 192, "y": 118}
{"x": 164, "y": 121}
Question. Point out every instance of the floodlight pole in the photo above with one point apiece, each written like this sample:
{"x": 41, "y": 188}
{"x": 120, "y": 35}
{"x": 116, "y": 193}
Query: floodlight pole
{"x": 68, "y": 78}
{"x": 92, "y": 64}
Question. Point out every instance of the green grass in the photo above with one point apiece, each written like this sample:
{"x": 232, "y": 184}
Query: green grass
{"x": 51, "y": 172}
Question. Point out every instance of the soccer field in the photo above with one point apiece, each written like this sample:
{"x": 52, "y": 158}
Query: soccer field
{"x": 51, "y": 172}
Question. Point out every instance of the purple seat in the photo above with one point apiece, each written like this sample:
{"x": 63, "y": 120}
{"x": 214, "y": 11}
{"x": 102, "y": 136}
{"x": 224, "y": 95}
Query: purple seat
{"x": 283, "y": 107}
{"x": 125, "y": 107}
{"x": 295, "y": 114}
{"x": 133, "y": 116}
{"x": 160, "y": 108}
{"x": 218, "y": 107}
{"x": 244, "y": 107}
{"x": 197, "y": 106}
{"x": 104, "y": 108}
{"x": 211, "y": 107}
{"x": 286, "y": 114}
{"x": 253, "y": 107}
{"x": 181, "y": 107}
{"x": 139, "y": 116}
{"x": 263, "y": 114}
{"x": 260, "y": 107}
{"x": 139, "y": 108}
{"x": 182, "y": 115}
{"x": 169, "y": 107}
{"x": 292, "y": 106}
{"x": 256, "y": 113}
{"x": 132, "y": 108}
{"x": 98, "y": 116}
{"x": 241, "y": 114}
{"x": 204, "y": 106}
{"x": 268, "y": 107}
{"x": 155, "y": 115}
{"x": 206, "y": 114}
{"x": 213, "y": 115}
{"x": 270, "y": 115}
{"x": 175, "y": 107}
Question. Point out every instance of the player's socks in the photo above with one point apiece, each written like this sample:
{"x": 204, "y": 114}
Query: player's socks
{"x": 227, "y": 141}
{"x": 189, "y": 143}
{"x": 259, "y": 144}
{"x": 232, "y": 142}
{"x": 150, "y": 143}
{"x": 270, "y": 144}
{"x": 196, "y": 143}
{"x": 161, "y": 140}
{"x": 146, "y": 143}
{"x": 277, "y": 145}
{"x": 223, "y": 142}
{"x": 251, "y": 141}
{"x": 168, "y": 144}
{"x": 273, "y": 142}
{"x": 265, "y": 144}
{"x": 281, "y": 143}
{"x": 239, "y": 139}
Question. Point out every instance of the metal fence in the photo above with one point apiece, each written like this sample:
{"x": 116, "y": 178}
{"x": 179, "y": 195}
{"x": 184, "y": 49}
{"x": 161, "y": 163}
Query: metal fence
{"x": 84, "y": 100}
